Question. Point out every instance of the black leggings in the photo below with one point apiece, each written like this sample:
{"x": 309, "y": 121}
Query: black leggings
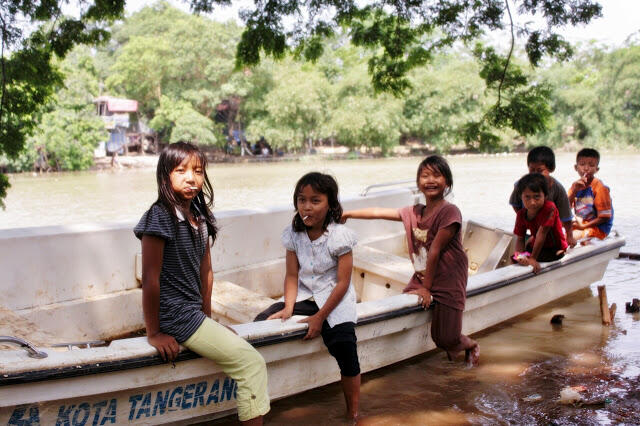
{"x": 339, "y": 340}
{"x": 547, "y": 254}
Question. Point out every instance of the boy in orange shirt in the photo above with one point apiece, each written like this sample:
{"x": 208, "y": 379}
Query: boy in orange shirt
{"x": 590, "y": 198}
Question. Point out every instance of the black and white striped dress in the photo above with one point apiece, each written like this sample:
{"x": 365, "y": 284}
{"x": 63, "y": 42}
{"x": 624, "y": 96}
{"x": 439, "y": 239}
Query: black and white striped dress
{"x": 180, "y": 296}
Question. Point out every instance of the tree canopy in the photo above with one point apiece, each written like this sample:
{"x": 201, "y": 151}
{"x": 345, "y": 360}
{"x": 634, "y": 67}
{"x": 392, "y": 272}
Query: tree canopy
{"x": 34, "y": 32}
{"x": 398, "y": 36}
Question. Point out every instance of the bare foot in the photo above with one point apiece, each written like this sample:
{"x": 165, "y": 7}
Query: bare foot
{"x": 472, "y": 356}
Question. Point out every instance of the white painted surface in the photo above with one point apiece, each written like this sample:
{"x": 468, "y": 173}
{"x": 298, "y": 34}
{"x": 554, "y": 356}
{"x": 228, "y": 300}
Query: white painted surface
{"x": 82, "y": 285}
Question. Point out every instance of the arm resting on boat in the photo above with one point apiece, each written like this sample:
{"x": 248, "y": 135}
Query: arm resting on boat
{"x": 206, "y": 281}
{"x": 152, "y": 250}
{"x": 541, "y": 236}
{"x": 345, "y": 264}
{"x": 372, "y": 213}
{"x": 441, "y": 240}
{"x": 290, "y": 287}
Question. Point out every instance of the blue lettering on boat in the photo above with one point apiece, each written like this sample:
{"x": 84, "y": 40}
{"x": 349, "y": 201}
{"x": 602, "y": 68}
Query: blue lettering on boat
{"x": 186, "y": 397}
{"x": 133, "y": 400}
{"x": 111, "y": 413}
{"x": 228, "y": 389}
{"x": 63, "y": 415}
{"x": 178, "y": 400}
{"x": 201, "y": 388}
{"x": 98, "y": 409}
{"x": 160, "y": 403}
{"x": 145, "y": 407}
{"x": 81, "y": 415}
{"x": 213, "y": 394}
{"x": 18, "y": 416}
{"x": 141, "y": 405}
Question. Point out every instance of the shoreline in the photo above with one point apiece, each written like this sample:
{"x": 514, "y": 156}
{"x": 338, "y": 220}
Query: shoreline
{"x": 135, "y": 161}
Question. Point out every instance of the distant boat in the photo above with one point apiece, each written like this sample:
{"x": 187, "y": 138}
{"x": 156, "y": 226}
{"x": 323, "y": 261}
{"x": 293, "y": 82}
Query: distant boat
{"x": 70, "y": 289}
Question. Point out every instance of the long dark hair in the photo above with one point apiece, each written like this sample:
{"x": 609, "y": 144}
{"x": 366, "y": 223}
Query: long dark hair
{"x": 323, "y": 184}
{"x": 201, "y": 205}
{"x": 438, "y": 163}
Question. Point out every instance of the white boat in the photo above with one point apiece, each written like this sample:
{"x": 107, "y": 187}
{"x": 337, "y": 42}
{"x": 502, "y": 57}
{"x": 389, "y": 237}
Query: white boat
{"x": 74, "y": 293}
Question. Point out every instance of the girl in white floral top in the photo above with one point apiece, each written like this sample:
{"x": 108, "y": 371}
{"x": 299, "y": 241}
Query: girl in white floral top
{"x": 318, "y": 277}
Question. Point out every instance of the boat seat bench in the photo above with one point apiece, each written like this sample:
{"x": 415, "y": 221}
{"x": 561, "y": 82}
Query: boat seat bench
{"x": 381, "y": 263}
{"x": 237, "y": 303}
{"x": 12, "y": 324}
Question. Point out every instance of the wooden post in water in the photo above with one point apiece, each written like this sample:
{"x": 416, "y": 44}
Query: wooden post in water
{"x": 605, "y": 313}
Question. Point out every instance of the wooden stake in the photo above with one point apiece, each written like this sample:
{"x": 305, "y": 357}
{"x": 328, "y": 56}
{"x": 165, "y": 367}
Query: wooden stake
{"x": 604, "y": 305}
{"x": 612, "y": 311}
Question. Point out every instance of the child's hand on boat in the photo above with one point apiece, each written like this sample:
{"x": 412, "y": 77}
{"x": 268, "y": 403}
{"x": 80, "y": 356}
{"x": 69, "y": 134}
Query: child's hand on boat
{"x": 284, "y": 314}
{"x": 166, "y": 345}
{"x": 315, "y": 326}
{"x": 425, "y": 297}
{"x": 530, "y": 261}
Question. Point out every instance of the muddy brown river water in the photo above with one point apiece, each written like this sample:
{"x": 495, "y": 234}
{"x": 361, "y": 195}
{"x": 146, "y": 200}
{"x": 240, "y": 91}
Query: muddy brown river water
{"x": 524, "y": 362}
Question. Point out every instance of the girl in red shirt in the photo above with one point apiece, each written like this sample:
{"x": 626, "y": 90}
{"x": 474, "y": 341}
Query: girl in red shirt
{"x": 540, "y": 216}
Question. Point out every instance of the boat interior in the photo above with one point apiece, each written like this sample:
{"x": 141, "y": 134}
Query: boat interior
{"x": 380, "y": 269}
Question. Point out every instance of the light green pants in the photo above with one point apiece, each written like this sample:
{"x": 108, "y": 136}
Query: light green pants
{"x": 239, "y": 360}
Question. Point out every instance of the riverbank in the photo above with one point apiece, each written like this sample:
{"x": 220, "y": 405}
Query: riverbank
{"x": 146, "y": 161}
{"x": 338, "y": 153}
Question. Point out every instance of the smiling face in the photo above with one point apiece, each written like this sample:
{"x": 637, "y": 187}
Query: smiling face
{"x": 187, "y": 179}
{"x": 533, "y": 201}
{"x": 587, "y": 168}
{"x": 432, "y": 183}
{"x": 312, "y": 207}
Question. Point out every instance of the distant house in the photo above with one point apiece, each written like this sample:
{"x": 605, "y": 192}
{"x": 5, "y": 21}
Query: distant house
{"x": 120, "y": 117}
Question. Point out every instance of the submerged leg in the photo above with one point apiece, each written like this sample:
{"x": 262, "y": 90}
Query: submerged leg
{"x": 446, "y": 332}
{"x": 351, "y": 389}
{"x": 341, "y": 342}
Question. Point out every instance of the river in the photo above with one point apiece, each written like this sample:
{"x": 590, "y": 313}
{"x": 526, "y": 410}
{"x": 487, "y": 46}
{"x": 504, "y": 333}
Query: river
{"x": 524, "y": 362}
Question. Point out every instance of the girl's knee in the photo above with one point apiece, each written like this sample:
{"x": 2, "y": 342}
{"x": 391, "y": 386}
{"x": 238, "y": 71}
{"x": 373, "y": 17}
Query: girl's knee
{"x": 346, "y": 354}
{"x": 448, "y": 343}
{"x": 251, "y": 361}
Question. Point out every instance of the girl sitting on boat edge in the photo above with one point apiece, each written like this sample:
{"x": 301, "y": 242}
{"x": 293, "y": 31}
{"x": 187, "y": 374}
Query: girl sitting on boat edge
{"x": 177, "y": 278}
{"x": 317, "y": 283}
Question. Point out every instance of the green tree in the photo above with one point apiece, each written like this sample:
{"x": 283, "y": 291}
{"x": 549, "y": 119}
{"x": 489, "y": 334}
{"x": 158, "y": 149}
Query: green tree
{"x": 177, "y": 120}
{"x": 594, "y": 99}
{"x": 446, "y": 96}
{"x": 162, "y": 51}
{"x": 404, "y": 35}
{"x": 295, "y": 109}
{"x": 68, "y": 130}
{"x": 359, "y": 116}
{"x": 69, "y": 137}
{"x": 29, "y": 76}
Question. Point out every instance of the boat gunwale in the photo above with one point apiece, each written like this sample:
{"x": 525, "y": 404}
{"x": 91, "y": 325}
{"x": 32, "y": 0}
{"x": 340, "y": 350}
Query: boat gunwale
{"x": 153, "y": 360}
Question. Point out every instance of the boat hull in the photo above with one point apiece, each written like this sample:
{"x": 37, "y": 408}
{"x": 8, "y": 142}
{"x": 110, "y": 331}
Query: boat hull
{"x": 102, "y": 386}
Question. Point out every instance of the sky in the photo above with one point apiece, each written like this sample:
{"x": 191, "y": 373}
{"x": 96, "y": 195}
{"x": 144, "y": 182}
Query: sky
{"x": 620, "y": 19}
